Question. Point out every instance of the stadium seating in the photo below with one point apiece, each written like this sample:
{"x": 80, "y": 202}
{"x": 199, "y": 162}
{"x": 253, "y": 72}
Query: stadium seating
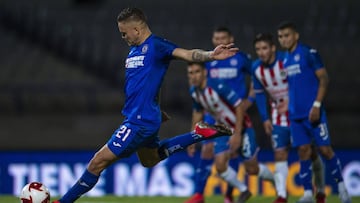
{"x": 56, "y": 50}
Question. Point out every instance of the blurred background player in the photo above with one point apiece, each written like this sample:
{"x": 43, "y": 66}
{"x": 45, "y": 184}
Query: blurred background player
{"x": 146, "y": 65}
{"x": 231, "y": 71}
{"x": 224, "y": 104}
{"x": 269, "y": 74}
{"x": 308, "y": 81}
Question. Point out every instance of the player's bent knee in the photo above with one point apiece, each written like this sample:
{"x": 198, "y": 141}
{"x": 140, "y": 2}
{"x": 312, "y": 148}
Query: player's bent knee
{"x": 281, "y": 155}
{"x": 326, "y": 151}
{"x": 148, "y": 157}
{"x": 252, "y": 169}
{"x": 304, "y": 152}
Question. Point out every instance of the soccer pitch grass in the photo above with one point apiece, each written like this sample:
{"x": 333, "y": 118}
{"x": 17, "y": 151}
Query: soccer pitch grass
{"x": 211, "y": 199}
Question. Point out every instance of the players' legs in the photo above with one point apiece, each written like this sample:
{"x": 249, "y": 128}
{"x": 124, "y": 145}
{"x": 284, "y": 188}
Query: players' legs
{"x": 281, "y": 141}
{"x": 301, "y": 140}
{"x": 122, "y": 143}
{"x": 222, "y": 156}
{"x": 234, "y": 164}
{"x": 322, "y": 140}
{"x": 318, "y": 172}
{"x": 249, "y": 152}
{"x": 203, "y": 171}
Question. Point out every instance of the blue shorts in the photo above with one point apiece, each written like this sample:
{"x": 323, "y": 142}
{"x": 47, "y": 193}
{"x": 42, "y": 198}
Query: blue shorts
{"x": 281, "y": 137}
{"x": 303, "y": 132}
{"x": 249, "y": 147}
{"x": 129, "y": 137}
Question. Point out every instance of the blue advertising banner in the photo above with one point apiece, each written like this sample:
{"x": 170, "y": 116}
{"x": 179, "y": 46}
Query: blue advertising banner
{"x": 58, "y": 170}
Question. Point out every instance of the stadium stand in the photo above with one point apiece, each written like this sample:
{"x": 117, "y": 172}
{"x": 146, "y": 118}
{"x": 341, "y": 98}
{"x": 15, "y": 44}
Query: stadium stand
{"x": 66, "y": 57}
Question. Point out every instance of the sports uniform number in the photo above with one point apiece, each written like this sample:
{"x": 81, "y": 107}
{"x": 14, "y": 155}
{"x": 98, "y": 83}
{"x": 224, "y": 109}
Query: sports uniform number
{"x": 323, "y": 130}
{"x": 246, "y": 146}
{"x": 125, "y": 131}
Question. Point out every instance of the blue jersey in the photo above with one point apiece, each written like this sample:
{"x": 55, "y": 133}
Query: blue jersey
{"x": 232, "y": 71}
{"x": 146, "y": 66}
{"x": 301, "y": 66}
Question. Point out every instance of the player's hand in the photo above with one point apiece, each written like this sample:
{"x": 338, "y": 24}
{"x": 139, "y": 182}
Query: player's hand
{"x": 191, "y": 150}
{"x": 282, "y": 106}
{"x": 314, "y": 114}
{"x": 268, "y": 127}
{"x": 235, "y": 142}
{"x": 164, "y": 116}
{"x": 224, "y": 51}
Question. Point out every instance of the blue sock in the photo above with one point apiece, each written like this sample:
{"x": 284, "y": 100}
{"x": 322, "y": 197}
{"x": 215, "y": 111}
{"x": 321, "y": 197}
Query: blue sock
{"x": 306, "y": 174}
{"x": 334, "y": 166}
{"x": 233, "y": 163}
{"x": 83, "y": 185}
{"x": 177, "y": 143}
{"x": 203, "y": 171}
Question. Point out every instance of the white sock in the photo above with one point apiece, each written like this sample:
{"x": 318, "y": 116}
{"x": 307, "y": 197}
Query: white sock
{"x": 308, "y": 193}
{"x": 281, "y": 172}
{"x": 230, "y": 176}
{"x": 265, "y": 173}
{"x": 319, "y": 174}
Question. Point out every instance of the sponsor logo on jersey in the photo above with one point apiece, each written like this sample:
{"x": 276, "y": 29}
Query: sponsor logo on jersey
{"x": 134, "y": 62}
{"x": 293, "y": 69}
{"x": 223, "y": 73}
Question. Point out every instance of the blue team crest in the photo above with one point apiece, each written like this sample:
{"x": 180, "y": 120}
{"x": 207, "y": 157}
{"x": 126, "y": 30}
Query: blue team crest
{"x": 297, "y": 57}
{"x": 233, "y": 62}
{"x": 144, "y": 48}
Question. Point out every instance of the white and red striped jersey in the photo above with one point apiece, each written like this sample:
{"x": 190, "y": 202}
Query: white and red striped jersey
{"x": 219, "y": 100}
{"x": 274, "y": 80}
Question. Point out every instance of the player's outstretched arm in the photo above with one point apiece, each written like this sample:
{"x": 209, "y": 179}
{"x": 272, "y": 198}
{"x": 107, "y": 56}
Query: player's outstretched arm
{"x": 198, "y": 55}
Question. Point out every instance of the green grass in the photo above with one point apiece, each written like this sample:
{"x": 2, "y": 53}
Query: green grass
{"x": 211, "y": 199}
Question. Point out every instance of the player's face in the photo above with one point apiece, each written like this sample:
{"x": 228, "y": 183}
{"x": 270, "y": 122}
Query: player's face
{"x": 287, "y": 38}
{"x": 129, "y": 32}
{"x": 221, "y": 38}
{"x": 196, "y": 75}
{"x": 265, "y": 51}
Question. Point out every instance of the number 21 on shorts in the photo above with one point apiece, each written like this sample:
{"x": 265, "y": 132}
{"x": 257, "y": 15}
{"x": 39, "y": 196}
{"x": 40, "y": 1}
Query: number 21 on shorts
{"x": 123, "y": 133}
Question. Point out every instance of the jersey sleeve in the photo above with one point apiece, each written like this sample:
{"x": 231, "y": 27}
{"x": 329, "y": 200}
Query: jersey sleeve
{"x": 314, "y": 59}
{"x": 260, "y": 96}
{"x": 257, "y": 84}
{"x": 227, "y": 94}
{"x": 164, "y": 48}
{"x": 261, "y": 104}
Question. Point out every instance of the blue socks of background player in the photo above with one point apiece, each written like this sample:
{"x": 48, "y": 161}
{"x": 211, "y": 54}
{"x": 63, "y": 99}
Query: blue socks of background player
{"x": 334, "y": 166}
{"x": 306, "y": 174}
{"x": 177, "y": 143}
{"x": 203, "y": 171}
{"x": 86, "y": 182}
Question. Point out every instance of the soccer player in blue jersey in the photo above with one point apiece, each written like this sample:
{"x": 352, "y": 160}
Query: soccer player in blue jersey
{"x": 146, "y": 65}
{"x": 227, "y": 107}
{"x": 308, "y": 80}
{"x": 231, "y": 71}
{"x": 269, "y": 75}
